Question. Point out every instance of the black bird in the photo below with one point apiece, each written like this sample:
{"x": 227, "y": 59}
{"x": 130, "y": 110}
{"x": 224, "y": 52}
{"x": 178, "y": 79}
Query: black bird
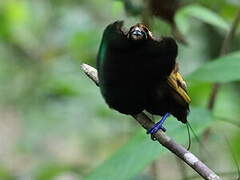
{"x": 139, "y": 72}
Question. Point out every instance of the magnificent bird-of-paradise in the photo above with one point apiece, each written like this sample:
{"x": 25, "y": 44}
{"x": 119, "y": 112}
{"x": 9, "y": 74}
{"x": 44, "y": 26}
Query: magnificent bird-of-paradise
{"x": 138, "y": 71}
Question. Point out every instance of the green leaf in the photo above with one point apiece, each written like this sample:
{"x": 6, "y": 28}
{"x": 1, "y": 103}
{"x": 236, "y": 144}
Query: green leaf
{"x": 129, "y": 160}
{"x": 50, "y": 171}
{"x": 204, "y": 14}
{"x": 221, "y": 70}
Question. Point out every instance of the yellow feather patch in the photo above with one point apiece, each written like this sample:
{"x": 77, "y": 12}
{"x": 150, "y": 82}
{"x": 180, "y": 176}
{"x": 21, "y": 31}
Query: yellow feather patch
{"x": 176, "y": 81}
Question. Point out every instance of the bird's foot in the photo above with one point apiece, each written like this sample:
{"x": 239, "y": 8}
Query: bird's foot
{"x": 155, "y": 128}
{"x": 158, "y": 125}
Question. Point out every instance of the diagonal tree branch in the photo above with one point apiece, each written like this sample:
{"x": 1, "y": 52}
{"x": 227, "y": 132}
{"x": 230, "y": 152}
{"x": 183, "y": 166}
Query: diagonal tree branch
{"x": 163, "y": 139}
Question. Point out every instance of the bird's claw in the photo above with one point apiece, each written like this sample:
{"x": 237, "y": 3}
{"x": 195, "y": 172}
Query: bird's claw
{"x": 155, "y": 128}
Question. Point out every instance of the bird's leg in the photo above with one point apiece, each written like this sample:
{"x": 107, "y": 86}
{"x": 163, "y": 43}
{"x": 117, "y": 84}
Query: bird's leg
{"x": 158, "y": 125}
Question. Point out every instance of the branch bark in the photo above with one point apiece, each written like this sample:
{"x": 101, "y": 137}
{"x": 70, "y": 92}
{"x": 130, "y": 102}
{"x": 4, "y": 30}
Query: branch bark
{"x": 162, "y": 138}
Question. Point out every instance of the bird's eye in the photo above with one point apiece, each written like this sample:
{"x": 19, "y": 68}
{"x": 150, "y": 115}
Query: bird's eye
{"x": 145, "y": 29}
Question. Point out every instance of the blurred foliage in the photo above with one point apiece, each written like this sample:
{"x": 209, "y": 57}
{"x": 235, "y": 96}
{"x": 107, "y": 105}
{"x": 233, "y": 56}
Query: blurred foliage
{"x": 54, "y": 123}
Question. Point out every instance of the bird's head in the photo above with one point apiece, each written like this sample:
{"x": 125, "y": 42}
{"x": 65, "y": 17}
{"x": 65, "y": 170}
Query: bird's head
{"x": 139, "y": 32}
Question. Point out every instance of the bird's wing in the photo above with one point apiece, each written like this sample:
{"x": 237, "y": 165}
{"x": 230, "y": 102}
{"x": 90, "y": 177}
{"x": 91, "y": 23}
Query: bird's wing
{"x": 176, "y": 81}
{"x": 114, "y": 35}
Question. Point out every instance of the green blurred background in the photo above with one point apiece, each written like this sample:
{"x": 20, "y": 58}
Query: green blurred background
{"x": 54, "y": 123}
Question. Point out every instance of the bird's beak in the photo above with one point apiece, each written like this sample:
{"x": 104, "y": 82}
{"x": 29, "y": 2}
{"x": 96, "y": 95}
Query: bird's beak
{"x": 137, "y": 32}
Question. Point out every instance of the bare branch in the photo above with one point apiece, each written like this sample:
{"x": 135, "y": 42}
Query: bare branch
{"x": 90, "y": 72}
{"x": 163, "y": 139}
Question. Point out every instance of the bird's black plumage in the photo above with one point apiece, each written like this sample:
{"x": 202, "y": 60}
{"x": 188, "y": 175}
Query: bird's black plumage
{"x": 134, "y": 70}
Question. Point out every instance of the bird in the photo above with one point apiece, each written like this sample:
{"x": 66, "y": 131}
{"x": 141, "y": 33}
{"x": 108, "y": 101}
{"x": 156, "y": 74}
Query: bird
{"x": 138, "y": 72}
